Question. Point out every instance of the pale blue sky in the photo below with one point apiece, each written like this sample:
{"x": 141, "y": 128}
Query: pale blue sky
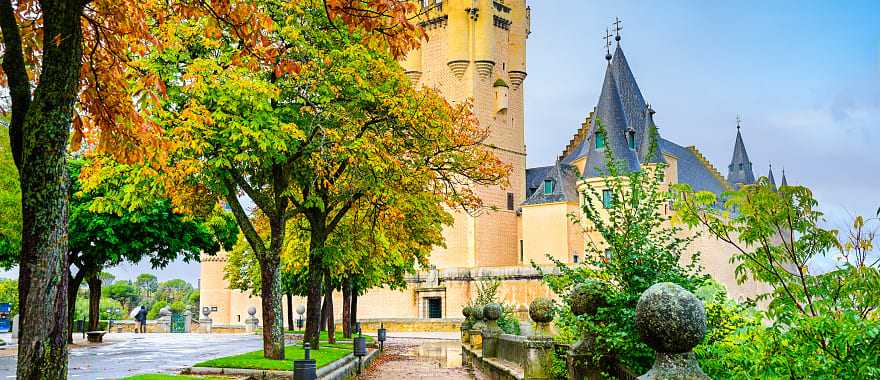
{"x": 805, "y": 75}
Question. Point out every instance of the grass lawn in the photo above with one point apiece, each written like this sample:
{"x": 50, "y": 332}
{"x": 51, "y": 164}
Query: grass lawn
{"x": 172, "y": 377}
{"x": 324, "y": 335}
{"x": 255, "y": 360}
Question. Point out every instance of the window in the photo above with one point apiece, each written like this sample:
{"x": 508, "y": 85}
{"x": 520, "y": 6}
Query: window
{"x": 548, "y": 186}
{"x": 510, "y": 201}
{"x": 606, "y": 198}
{"x": 424, "y": 3}
{"x": 574, "y": 259}
{"x": 600, "y": 141}
{"x": 238, "y": 317}
{"x": 521, "y": 258}
{"x": 435, "y": 307}
{"x": 631, "y": 139}
{"x": 532, "y": 190}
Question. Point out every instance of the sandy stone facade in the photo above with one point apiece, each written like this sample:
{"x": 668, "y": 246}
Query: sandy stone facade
{"x": 476, "y": 51}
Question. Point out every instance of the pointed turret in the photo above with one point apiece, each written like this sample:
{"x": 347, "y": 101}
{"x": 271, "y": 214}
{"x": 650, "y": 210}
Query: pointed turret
{"x": 739, "y": 172}
{"x": 770, "y": 177}
{"x": 649, "y": 149}
{"x": 784, "y": 180}
{"x": 612, "y": 135}
{"x": 630, "y": 95}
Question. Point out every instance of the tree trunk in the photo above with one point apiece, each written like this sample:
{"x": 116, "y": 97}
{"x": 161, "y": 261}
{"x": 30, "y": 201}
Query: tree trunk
{"x": 324, "y": 307}
{"x": 273, "y": 322}
{"x": 290, "y": 325}
{"x": 354, "y": 306}
{"x": 94, "y": 282}
{"x": 40, "y": 131}
{"x": 331, "y": 321}
{"x": 346, "y": 309}
{"x": 72, "y": 290}
{"x": 313, "y": 303}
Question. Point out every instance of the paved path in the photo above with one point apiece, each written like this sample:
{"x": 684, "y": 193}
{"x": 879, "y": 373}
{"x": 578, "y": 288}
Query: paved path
{"x": 125, "y": 354}
{"x": 418, "y": 359}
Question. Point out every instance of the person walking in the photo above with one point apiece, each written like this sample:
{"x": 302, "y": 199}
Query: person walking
{"x": 141, "y": 319}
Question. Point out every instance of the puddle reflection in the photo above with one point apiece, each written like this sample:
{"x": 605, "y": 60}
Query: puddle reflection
{"x": 448, "y": 354}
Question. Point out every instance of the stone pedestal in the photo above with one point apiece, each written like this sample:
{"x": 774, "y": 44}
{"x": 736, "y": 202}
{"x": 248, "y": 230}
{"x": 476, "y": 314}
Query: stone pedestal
{"x": 490, "y": 342}
{"x": 539, "y": 354}
{"x": 187, "y": 321}
{"x": 465, "y": 336}
{"x": 476, "y": 339}
{"x": 251, "y": 324}
{"x": 15, "y": 328}
{"x": 668, "y": 366}
{"x": 164, "y": 324}
{"x": 205, "y": 325}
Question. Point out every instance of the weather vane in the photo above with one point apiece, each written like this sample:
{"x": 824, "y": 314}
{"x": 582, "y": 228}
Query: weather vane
{"x": 738, "y": 120}
{"x": 607, "y": 39}
{"x": 617, "y": 29}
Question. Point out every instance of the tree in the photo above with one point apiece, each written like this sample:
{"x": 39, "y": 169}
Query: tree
{"x": 106, "y": 277}
{"x": 123, "y": 292}
{"x": 103, "y": 234}
{"x": 174, "y": 290}
{"x": 321, "y": 125}
{"x": 147, "y": 283}
{"x": 10, "y": 204}
{"x": 636, "y": 248}
{"x": 9, "y": 294}
{"x": 824, "y": 325}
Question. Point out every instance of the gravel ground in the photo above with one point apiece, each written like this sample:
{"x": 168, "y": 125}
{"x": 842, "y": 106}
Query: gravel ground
{"x": 418, "y": 358}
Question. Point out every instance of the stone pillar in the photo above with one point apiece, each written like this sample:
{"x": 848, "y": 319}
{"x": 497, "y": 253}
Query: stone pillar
{"x": 585, "y": 299}
{"x": 491, "y": 333}
{"x": 187, "y": 320}
{"x": 205, "y": 322}
{"x": 251, "y": 323}
{"x": 15, "y": 328}
{"x": 672, "y": 321}
{"x": 476, "y": 337}
{"x": 466, "y": 325}
{"x": 539, "y": 347}
{"x": 164, "y": 321}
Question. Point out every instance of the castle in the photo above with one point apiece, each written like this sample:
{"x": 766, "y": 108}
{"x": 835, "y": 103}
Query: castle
{"x": 477, "y": 50}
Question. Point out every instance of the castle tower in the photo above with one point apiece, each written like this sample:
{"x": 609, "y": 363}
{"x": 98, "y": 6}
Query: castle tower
{"x": 476, "y": 50}
{"x": 739, "y": 172}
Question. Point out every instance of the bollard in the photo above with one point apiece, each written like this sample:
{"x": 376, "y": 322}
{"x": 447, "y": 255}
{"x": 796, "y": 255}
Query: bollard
{"x": 305, "y": 369}
{"x": 382, "y": 333}
{"x": 360, "y": 347}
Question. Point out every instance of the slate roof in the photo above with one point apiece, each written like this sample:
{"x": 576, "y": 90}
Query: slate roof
{"x": 740, "y": 169}
{"x": 649, "y": 150}
{"x": 770, "y": 177}
{"x": 630, "y": 94}
{"x": 535, "y": 178}
{"x": 611, "y": 117}
{"x": 784, "y": 180}
{"x": 692, "y": 170}
{"x": 564, "y": 177}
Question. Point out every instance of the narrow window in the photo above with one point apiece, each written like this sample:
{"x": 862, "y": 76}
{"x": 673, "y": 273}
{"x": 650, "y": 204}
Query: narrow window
{"x": 600, "y": 141}
{"x": 631, "y": 139}
{"x": 238, "y": 317}
{"x": 548, "y": 186}
{"x": 510, "y": 201}
{"x": 521, "y": 258}
{"x": 574, "y": 259}
{"x": 606, "y": 198}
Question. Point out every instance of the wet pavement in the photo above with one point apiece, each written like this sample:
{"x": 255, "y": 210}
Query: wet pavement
{"x": 124, "y": 354}
{"x": 418, "y": 358}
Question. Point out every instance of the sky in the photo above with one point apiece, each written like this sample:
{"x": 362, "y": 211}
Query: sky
{"x": 803, "y": 75}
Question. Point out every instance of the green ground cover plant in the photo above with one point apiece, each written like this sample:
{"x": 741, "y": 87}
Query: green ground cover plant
{"x": 158, "y": 376}
{"x": 255, "y": 360}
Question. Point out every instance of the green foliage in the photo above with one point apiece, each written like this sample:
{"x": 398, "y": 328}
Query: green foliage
{"x": 107, "y": 278}
{"x": 123, "y": 292}
{"x": 147, "y": 282}
{"x": 823, "y": 325}
{"x": 487, "y": 292}
{"x": 558, "y": 366}
{"x": 9, "y": 294}
{"x": 638, "y": 248}
{"x": 10, "y": 203}
{"x": 154, "y": 310}
{"x": 81, "y": 309}
{"x": 178, "y": 307}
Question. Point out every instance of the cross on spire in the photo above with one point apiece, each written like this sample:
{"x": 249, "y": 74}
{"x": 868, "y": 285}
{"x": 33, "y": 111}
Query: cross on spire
{"x": 607, "y": 39}
{"x": 738, "y": 120}
{"x": 617, "y": 29}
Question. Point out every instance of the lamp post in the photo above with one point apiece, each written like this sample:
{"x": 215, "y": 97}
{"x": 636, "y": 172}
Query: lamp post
{"x": 305, "y": 369}
{"x": 299, "y": 322}
{"x": 381, "y": 333}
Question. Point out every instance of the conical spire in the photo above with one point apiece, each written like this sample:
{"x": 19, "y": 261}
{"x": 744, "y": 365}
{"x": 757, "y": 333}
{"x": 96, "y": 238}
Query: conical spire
{"x": 770, "y": 176}
{"x": 740, "y": 169}
{"x": 610, "y": 116}
{"x": 630, "y": 94}
{"x": 649, "y": 148}
{"x": 784, "y": 180}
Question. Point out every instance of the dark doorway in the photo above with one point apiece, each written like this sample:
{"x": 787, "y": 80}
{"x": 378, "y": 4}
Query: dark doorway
{"x": 435, "y": 307}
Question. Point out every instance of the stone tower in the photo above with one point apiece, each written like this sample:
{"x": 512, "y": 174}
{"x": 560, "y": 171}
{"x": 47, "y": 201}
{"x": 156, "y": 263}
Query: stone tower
{"x": 476, "y": 49}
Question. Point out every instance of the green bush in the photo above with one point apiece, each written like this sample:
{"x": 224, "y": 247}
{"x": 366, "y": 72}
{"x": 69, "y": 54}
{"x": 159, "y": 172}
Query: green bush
{"x": 154, "y": 310}
{"x": 178, "y": 307}
{"x": 487, "y": 292}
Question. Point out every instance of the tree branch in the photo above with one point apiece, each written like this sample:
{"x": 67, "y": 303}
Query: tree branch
{"x": 16, "y": 75}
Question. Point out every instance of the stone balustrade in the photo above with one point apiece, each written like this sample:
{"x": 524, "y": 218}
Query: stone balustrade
{"x": 669, "y": 319}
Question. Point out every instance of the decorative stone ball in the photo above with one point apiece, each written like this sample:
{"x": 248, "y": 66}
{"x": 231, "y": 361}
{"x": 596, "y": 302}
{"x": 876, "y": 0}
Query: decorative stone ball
{"x": 478, "y": 313}
{"x": 541, "y": 310}
{"x": 587, "y": 297}
{"x": 492, "y": 312}
{"x": 165, "y": 311}
{"x": 300, "y": 309}
{"x": 466, "y": 311}
{"x": 670, "y": 319}
{"x": 252, "y": 311}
